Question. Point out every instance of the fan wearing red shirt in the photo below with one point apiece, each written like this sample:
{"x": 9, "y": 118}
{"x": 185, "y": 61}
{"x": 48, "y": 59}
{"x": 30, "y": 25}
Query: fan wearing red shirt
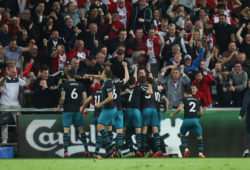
{"x": 199, "y": 95}
{"x": 124, "y": 9}
{"x": 79, "y": 51}
{"x": 59, "y": 59}
{"x": 203, "y": 81}
{"x": 114, "y": 26}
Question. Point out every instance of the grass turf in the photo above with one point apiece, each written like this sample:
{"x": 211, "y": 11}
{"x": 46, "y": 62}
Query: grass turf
{"x": 127, "y": 164}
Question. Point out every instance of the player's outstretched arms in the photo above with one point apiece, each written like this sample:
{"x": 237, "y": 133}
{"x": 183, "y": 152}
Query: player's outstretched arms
{"x": 180, "y": 107}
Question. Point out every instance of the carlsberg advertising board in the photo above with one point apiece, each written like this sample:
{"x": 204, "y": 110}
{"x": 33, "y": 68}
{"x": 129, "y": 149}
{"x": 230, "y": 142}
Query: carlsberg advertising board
{"x": 41, "y": 135}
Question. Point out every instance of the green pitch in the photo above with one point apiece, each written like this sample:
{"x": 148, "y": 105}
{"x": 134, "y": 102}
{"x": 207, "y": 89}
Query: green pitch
{"x": 127, "y": 164}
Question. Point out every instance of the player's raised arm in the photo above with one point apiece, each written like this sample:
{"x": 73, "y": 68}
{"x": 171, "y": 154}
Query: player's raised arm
{"x": 61, "y": 101}
{"x": 126, "y": 76}
{"x": 93, "y": 76}
{"x": 180, "y": 107}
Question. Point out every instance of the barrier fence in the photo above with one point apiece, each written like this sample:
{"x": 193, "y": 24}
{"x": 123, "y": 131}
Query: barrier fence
{"x": 41, "y": 135}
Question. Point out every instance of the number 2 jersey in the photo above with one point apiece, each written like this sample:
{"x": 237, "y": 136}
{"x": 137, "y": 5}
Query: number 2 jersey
{"x": 73, "y": 97}
{"x": 191, "y": 107}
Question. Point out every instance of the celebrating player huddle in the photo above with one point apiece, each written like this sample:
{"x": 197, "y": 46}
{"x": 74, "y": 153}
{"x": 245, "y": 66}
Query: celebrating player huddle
{"x": 130, "y": 106}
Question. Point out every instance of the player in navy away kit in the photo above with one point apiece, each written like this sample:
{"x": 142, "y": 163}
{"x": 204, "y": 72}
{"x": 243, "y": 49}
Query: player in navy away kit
{"x": 192, "y": 111}
{"x": 107, "y": 114}
{"x": 118, "y": 121}
{"x": 72, "y": 96}
{"x": 133, "y": 117}
{"x": 150, "y": 118}
{"x": 160, "y": 100}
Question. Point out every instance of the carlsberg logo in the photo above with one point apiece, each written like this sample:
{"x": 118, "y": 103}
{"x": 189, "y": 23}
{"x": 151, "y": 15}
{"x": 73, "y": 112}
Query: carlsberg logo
{"x": 47, "y": 140}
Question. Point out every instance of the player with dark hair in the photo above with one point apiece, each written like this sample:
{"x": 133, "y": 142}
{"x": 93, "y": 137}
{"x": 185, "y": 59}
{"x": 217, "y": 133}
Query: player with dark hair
{"x": 72, "y": 96}
{"x": 107, "y": 114}
{"x": 192, "y": 111}
{"x": 118, "y": 121}
{"x": 133, "y": 118}
{"x": 150, "y": 118}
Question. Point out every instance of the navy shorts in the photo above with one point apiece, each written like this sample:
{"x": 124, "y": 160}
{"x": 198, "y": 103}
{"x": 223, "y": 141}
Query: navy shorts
{"x": 119, "y": 120}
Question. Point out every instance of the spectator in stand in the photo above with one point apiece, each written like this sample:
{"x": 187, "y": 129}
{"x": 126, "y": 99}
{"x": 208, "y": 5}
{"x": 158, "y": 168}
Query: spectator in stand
{"x": 80, "y": 71}
{"x": 12, "y": 51}
{"x": 38, "y": 14}
{"x": 154, "y": 42}
{"x": 213, "y": 57}
{"x": 53, "y": 42}
{"x": 4, "y": 34}
{"x": 9, "y": 97}
{"x": 79, "y": 51}
{"x": 187, "y": 31}
{"x": 221, "y": 10}
{"x": 193, "y": 65}
{"x": 113, "y": 27}
{"x": 44, "y": 74}
{"x": 60, "y": 77}
{"x": 223, "y": 84}
{"x": 171, "y": 39}
{"x": 239, "y": 84}
{"x": 223, "y": 32}
{"x": 138, "y": 44}
{"x": 244, "y": 42}
{"x": 141, "y": 17}
{"x": 94, "y": 38}
{"x": 203, "y": 4}
{"x": 73, "y": 12}
{"x": 175, "y": 84}
{"x": 199, "y": 95}
{"x": 203, "y": 80}
{"x": 115, "y": 42}
{"x": 44, "y": 97}
{"x": 117, "y": 67}
{"x": 59, "y": 58}
{"x": 94, "y": 16}
{"x": 231, "y": 54}
{"x": 177, "y": 17}
{"x": 240, "y": 58}
{"x": 124, "y": 9}
{"x": 104, "y": 51}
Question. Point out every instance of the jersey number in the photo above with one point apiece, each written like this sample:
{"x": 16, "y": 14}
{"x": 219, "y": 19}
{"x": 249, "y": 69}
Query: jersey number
{"x": 193, "y": 107}
{"x": 157, "y": 96}
{"x": 74, "y": 95}
{"x": 114, "y": 93}
{"x": 130, "y": 95}
{"x": 97, "y": 99}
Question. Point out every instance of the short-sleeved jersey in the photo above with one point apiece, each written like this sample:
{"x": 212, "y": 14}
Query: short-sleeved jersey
{"x": 117, "y": 94}
{"x": 158, "y": 99}
{"x": 133, "y": 99}
{"x": 97, "y": 95}
{"x": 106, "y": 89}
{"x": 191, "y": 107}
{"x": 147, "y": 101}
{"x": 73, "y": 98}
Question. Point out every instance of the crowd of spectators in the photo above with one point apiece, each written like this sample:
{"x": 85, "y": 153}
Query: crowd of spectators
{"x": 203, "y": 43}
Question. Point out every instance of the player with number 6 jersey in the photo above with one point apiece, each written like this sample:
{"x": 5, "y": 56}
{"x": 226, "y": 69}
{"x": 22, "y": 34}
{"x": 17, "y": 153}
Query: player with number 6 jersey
{"x": 72, "y": 96}
{"x": 192, "y": 111}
